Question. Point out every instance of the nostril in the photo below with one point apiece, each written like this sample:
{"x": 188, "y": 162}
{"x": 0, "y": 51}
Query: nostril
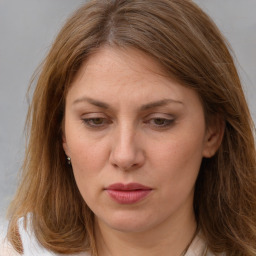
{"x": 128, "y": 164}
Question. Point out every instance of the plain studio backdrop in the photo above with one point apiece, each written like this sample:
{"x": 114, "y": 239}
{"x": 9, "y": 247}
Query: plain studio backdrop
{"x": 27, "y": 29}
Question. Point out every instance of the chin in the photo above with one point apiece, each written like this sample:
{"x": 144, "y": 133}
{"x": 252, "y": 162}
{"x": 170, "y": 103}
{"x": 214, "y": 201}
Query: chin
{"x": 129, "y": 227}
{"x": 130, "y": 223}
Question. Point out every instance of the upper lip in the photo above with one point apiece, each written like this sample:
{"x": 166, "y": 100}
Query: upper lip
{"x": 127, "y": 187}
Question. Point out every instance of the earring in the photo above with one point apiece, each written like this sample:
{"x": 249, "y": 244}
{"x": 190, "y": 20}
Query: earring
{"x": 69, "y": 160}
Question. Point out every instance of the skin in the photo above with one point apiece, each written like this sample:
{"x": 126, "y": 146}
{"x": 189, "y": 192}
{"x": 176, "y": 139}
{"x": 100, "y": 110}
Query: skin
{"x": 113, "y": 133}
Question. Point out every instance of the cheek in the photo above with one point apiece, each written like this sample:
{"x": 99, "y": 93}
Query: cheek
{"x": 88, "y": 161}
{"x": 178, "y": 160}
{"x": 88, "y": 158}
{"x": 83, "y": 149}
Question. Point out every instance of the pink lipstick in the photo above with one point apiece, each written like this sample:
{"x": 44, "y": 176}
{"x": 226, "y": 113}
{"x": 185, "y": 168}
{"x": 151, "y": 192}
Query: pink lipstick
{"x": 127, "y": 193}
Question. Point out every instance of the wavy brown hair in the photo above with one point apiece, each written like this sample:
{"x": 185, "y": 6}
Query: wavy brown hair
{"x": 188, "y": 45}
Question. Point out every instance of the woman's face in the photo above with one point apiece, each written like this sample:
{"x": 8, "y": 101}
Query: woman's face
{"x": 136, "y": 139}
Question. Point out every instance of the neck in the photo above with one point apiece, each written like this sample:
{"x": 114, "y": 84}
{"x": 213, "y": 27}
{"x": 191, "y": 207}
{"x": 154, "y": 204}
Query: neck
{"x": 169, "y": 238}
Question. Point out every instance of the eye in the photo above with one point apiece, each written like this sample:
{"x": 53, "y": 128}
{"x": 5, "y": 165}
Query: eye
{"x": 160, "y": 122}
{"x": 96, "y": 122}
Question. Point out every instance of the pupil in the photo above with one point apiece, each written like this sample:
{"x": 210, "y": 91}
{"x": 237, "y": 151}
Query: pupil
{"x": 159, "y": 121}
{"x": 97, "y": 120}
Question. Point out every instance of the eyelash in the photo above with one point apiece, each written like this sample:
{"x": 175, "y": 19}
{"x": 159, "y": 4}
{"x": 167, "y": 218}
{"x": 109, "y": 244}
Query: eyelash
{"x": 90, "y": 122}
{"x": 166, "y": 123}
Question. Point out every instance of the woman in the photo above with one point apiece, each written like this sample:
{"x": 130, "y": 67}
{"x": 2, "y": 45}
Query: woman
{"x": 140, "y": 139}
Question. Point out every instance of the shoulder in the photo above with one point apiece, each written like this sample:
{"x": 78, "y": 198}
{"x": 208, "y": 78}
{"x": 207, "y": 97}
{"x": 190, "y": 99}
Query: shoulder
{"x": 31, "y": 246}
{"x": 5, "y": 248}
{"x": 199, "y": 247}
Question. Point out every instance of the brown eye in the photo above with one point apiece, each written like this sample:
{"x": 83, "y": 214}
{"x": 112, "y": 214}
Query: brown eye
{"x": 162, "y": 122}
{"x": 97, "y": 122}
{"x": 159, "y": 121}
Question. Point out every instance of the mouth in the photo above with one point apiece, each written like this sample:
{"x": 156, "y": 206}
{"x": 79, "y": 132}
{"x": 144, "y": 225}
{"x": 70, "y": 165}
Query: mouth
{"x": 127, "y": 193}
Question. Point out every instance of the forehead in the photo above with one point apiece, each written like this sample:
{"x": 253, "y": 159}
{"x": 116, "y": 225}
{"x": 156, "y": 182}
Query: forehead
{"x": 106, "y": 59}
{"x": 130, "y": 74}
{"x": 118, "y": 66}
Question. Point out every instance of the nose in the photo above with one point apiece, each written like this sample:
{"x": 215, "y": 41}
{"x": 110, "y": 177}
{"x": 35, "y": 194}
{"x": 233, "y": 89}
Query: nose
{"x": 127, "y": 152}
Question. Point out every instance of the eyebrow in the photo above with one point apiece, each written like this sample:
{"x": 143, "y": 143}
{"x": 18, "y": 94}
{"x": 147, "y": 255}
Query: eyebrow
{"x": 147, "y": 106}
{"x": 92, "y": 101}
{"x": 159, "y": 103}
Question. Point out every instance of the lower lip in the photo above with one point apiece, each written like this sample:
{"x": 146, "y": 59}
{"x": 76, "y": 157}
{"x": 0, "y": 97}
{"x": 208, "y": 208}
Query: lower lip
{"x": 128, "y": 196}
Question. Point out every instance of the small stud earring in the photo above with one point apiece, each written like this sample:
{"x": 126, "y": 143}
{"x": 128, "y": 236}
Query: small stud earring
{"x": 69, "y": 160}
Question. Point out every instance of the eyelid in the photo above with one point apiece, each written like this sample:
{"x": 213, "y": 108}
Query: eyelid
{"x": 89, "y": 119}
{"x": 90, "y": 123}
{"x": 156, "y": 121}
{"x": 160, "y": 115}
{"x": 166, "y": 121}
{"x": 93, "y": 115}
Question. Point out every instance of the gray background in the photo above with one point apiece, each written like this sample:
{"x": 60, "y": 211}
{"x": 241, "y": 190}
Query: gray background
{"x": 27, "y": 29}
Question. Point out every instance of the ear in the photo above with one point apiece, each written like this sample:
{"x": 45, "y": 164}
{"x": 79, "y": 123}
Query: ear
{"x": 64, "y": 144}
{"x": 213, "y": 137}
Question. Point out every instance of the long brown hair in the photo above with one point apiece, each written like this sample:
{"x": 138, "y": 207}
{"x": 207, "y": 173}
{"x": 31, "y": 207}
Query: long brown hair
{"x": 184, "y": 40}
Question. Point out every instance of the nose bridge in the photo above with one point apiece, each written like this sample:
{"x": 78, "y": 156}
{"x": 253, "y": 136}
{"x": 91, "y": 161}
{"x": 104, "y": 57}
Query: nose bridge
{"x": 124, "y": 144}
{"x": 126, "y": 152}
